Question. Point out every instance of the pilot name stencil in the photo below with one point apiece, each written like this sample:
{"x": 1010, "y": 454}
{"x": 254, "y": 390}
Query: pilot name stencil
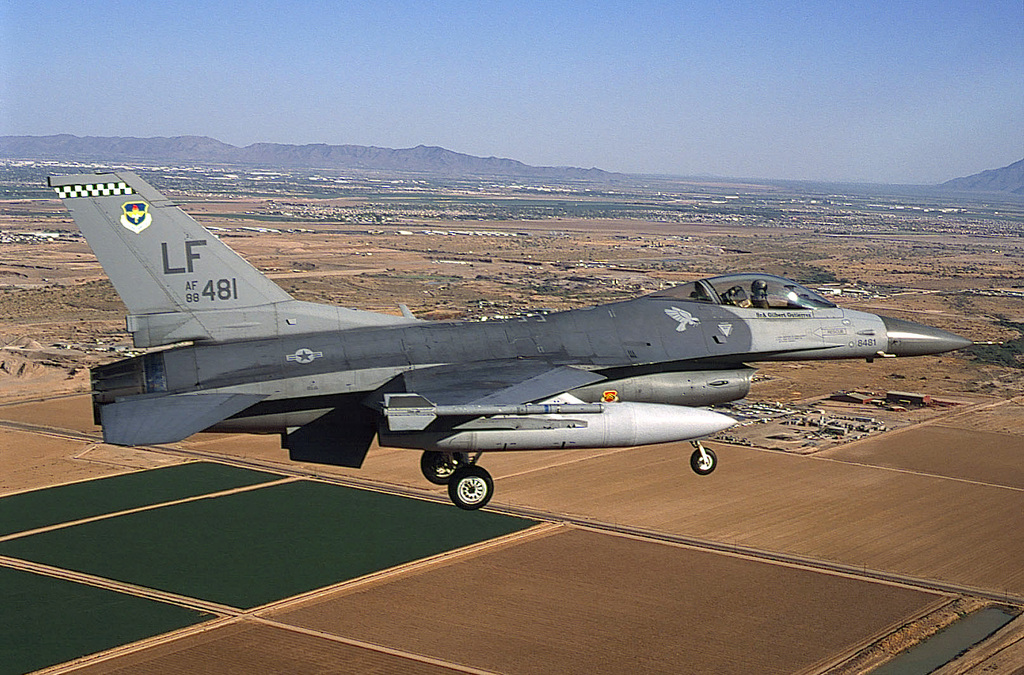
{"x": 784, "y": 315}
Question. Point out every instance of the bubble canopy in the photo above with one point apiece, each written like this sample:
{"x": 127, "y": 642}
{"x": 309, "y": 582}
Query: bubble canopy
{"x": 757, "y": 291}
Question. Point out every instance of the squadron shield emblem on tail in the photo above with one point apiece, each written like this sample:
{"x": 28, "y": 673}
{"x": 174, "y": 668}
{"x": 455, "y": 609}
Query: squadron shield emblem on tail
{"x": 136, "y": 216}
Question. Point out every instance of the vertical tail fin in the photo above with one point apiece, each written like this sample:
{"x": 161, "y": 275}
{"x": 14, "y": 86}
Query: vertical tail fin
{"x": 179, "y": 281}
{"x": 158, "y": 258}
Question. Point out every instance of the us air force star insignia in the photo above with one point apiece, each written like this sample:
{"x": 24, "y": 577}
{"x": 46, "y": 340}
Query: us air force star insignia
{"x": 726, "y": 328}
{"x": 684, "y": 318}
{"x": 136, "y": 216}
{"x": 304, "y": 356}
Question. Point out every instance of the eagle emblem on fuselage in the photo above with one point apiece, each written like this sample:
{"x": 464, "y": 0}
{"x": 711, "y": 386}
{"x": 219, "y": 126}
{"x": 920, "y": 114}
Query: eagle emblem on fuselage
{"x": 684, "y": 318}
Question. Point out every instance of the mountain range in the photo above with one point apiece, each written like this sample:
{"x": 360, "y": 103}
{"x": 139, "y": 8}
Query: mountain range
{"x": 202, "y": 149}
{"x": 422, "y": 159}
{"x": 1008, "y": 179}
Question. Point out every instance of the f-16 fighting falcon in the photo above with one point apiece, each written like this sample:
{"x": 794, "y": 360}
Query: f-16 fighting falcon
{"x": 241, "y": 355}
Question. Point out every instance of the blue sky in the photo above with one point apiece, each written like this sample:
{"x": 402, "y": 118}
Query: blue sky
{"x": 879, "y": 91}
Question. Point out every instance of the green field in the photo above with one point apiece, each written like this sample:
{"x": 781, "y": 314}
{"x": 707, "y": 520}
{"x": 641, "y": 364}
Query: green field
{"x": 39, "y": 508}
{"x": 45, "y": 621}
{"x": 254, "y": 547}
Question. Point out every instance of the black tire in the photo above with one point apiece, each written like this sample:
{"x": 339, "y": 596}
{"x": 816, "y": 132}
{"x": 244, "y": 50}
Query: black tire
{"x": 438, "y": 467}
{"x": 699, "y": 467}
{"x": 470, "y": 487}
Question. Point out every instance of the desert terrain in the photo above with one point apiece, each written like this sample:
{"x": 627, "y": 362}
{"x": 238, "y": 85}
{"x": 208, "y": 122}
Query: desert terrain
{"x": 842, "y": 555}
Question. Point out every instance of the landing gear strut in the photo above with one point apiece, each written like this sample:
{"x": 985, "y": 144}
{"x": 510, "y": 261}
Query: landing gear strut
{"x": 702, "y": 461}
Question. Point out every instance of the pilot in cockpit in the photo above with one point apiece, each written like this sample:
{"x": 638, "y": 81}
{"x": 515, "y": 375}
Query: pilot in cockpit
{"x": 759, "y": 293}
{"x": 736, "y": 297}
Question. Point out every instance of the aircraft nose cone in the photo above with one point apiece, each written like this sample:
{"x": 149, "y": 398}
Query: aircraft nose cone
{"x": 907, "y": 338}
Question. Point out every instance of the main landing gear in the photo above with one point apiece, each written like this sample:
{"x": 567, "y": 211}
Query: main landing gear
{"x": 438, "y": 467}
{"x": 470, "y": 487}
{"x": 702, "y": 461}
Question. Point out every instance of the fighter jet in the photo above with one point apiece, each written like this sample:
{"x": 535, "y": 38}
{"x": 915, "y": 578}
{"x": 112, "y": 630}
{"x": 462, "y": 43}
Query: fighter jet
{"x": 239, "y": 354}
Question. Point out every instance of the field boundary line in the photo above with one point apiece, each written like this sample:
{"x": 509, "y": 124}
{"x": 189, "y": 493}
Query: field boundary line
{"x": 127, "y": 470}
{"x": 56, "y": 432}
{"x": 147, "y": 507}
{"x": 913, "y": 472}
{"x": 571, "y": 460}
{"x": 538, "y": 531}
{"x": 83, "y": 456}
{"x": 808, "y": 562}
{"x": 390, "y": 651}
{"x": 137, "y": 646}
{"x": 120, "y": 586}
{"x": 42, "y": 399}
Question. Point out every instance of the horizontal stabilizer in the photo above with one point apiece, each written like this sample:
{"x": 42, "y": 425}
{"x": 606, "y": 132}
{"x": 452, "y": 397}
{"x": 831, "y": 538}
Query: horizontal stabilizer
{"x": 167, "y": 419}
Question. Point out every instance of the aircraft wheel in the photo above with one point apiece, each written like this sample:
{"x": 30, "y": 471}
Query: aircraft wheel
{"x": 438, "y": 467}
{"x": 470, "y": 487}
{"x": 703, "y": 461}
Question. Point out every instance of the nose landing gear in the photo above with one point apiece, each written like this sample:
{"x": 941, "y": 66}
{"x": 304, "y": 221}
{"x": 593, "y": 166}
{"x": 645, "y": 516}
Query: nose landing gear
{"x": 702, "y": 461}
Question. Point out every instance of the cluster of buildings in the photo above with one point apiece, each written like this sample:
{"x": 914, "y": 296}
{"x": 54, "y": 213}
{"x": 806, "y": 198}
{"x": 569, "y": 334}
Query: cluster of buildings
{"x": 803, "y": 428}
{"x": 9, "y": 237}
{"x": 892, "y": 400}
{"x": 838, "y": 426}
{"x": 466, "y": 233}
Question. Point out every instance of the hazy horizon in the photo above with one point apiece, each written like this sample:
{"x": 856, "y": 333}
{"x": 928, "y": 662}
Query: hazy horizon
{"x": 865, "y": 91}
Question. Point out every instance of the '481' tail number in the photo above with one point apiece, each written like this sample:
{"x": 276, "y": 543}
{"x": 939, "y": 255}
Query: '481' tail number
{"x": 219, "y": 289}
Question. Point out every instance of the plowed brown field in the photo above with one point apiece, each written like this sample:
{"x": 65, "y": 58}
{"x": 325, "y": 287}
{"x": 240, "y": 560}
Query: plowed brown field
{"x": 581, "y": 602}
{"x": 248, "y": 648}
{"x": 921, "y": 525}
{"x": 29, "y": 461}
{"x": 983, "y": 456}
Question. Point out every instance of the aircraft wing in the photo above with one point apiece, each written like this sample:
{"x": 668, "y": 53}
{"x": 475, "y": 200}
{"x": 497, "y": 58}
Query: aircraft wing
{"x": 498, "y": 382}
{"x": 343, "y": 436}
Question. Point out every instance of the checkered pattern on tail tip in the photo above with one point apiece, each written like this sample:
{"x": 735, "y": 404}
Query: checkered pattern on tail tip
{"x": 94, "y": 190}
